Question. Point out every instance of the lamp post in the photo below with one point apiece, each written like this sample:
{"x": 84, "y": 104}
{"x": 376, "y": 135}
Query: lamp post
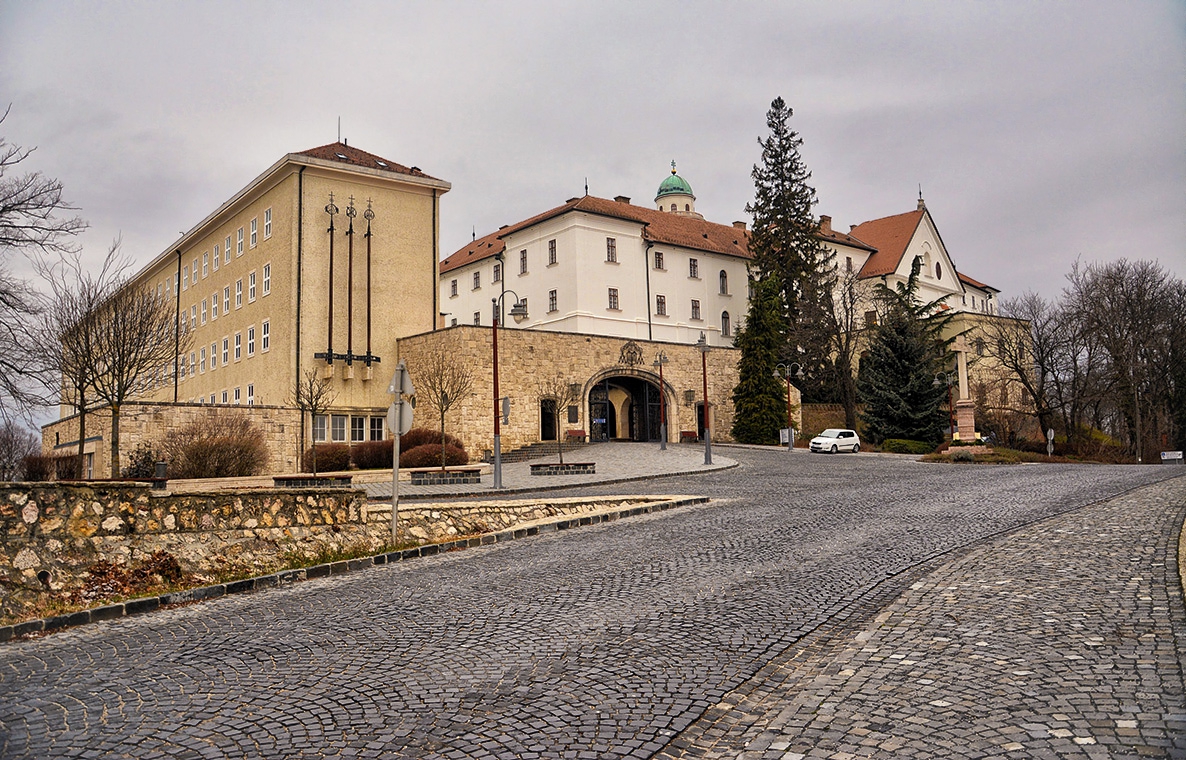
{"x": 702, "y": 344}
{"x": 948, "y": 379}
{"x": 518, "y": 310}
{"x": 660, "y": 360}
{"x": 788, "y": 373}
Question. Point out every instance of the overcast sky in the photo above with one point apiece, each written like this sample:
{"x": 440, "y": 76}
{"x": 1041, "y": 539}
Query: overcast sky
{"x": 1038, "y": 131}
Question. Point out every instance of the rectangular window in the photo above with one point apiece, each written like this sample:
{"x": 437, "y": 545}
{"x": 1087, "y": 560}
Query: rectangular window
{"x": 551, "y": 252}
{"x": 184, "y": 322}
{"x": 611, "y": 250}
{"x": 659, "y": 260}
{"x": 376, "y": 428}
{"x": 239, "y": 242}
{"x": 202, "y": 364}
{"x": 217, "y": 256}
{"x": 358, "y": 429}
{"x": 613, "y": 298}
{"x": 224, "y": 397}
{"x": 226, "y": 350}
{"x": 267, "y": 279}
{"x": 319, "y": 428}
{"x": 452, "y": 288}
{"x": 523, "y": 262}
{"x": 694, "y": 269}
{"x": 237, "y": 401}
{"x": 193, "y": 363}
{"x": 251, "y": 341}
{"x": 226, "y": 250}
{"x": 848, "y": 263}
{"x": 193, "y": 316}
{"x": 250, "y": 394}
{"x": 551, "y": 300}
{"x": 695, "y": 309}
{"x": 453, "y": 322}
{"x": 267, "y": 223}
{"x": 213, "y": 356}
{"x": 477, "y": 317}
{"x": 254, "y": 232}
{"x": 203, "y": 311}
{"x": 477, "y": 280}
{"x": 205, "y": 265}
{"x": 661, "y": 305}
{"x": 195, "y": 274}
{"x": 226, "y": 299}
{"x": 338, "y": 428}
{"x": 211, "y": 398}
{"x": 185, "y": 278}
{"x": 870, "y": 319}
{"x": 497, "y": 272}
{"x": 251, "y": 287}
{"x": 184, "y": 367}
{"x": 265, "y": 336}
{"x": 214, "y": 306}
{"x": 238, "y": 346}
{"x": 239, "y": 294}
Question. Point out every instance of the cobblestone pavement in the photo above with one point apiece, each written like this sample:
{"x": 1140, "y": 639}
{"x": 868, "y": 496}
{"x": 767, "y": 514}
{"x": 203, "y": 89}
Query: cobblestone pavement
{"x": 624, "y": 639}
{"x": 1063, "y": 639}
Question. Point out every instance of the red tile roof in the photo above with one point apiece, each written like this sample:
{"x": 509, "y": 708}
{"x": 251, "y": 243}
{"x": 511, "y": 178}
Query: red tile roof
{"x": 660, "y": 226}
{"x": 889, "y": 235}
{"x": 976, "y": 283}
{"x": 342, "y": 153}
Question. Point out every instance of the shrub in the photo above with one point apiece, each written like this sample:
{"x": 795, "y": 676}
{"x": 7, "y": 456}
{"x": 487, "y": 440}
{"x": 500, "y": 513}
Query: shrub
{"x": 331, "y": 457}
{"x": 372, "y": 455}
{"x": 221, "y": 444}
{"x": 903, "y": 446}
{"x": 962, "y": 455}
{"x": 420, "y": 436}
{"x": 141, "y": 462}
{"x": 39, "y": 468}
{"x": 429, "y": 455}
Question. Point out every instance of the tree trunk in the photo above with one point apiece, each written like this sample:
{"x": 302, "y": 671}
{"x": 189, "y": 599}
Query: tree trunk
{"x": 559, "y": 438}
{"x": 442, "y": 440}
{"x": 115, "y": 441}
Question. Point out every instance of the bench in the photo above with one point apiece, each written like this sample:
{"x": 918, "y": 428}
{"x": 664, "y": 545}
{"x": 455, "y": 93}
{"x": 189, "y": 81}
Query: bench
{"x": 575, "y": 436}
{"x": 688, "y": 436}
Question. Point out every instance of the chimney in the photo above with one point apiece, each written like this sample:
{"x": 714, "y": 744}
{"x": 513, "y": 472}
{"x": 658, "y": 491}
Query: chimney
{"x": 622, "y": 199}
{"x": 739, "y": 225}
{"x": 921, "y": 204}
{"x": 825, "y": 225}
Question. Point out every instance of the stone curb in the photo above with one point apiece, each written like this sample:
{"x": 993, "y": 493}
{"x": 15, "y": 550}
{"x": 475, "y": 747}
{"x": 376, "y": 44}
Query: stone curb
{"x": 286, "y": 577}
{"x": 536, "y": 489}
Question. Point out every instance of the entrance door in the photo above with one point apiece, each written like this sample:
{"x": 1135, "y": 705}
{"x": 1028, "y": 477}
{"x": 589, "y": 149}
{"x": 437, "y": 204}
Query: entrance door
{"x": 640, "y": 409}
{"x": 547, "y": 420}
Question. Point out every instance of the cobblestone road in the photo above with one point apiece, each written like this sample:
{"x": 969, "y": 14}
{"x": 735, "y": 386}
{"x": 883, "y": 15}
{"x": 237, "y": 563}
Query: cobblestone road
{"x": 625, "y": 640}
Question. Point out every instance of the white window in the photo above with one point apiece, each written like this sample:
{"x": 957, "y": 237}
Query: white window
{"x": 695, "y": 309}
{"x": 203, "y": 311}
{"x": 238, "y": 346}
{"x": 254, "y": 232}
{"x": 251, "y": 287}
{"x": 193, "y": 316}
{"x": 724, "y": 283}
{"x": 202, "y": 364}
{"x": 319, "y": 428}
{"x": 265, "y": 336}
{"x": 661, "y": 305}
{"x": 184, "y": 367}
{"x": 611, "y": 250}
{"x": 251, "y": 341}
{"x": 239, "y": 242}
{"x": 726, "y": 325}
{"x": 193, "y": 363}
{"x": 217, "y": 256}
{"x": 613, "y": 298}
{"x": 659, "y": 260}
{"x": 239, "y": 294}
{"x": 226, "y": 299}
{"x": 205, "y": 265}
{"x": 477, "y": 280}
{"x": 226, "y": 250}
{"x": 523, "y": 262}
{"x": 267, "y": 223}
{"x": 497, "y": 272}
{"x": 195, "y": 274}
{"x": 694, "y": 269}
{"x": 250, "y": 394}
{"x": 214, "y": 306}
{"x": 338, "y": 427}
{"x": 226, "y": 350}
{"x": 452, "y": 288}
{"x": 236, "y": 396}
{"x": 377, "y": 428}
{"x": 551, "y": 300}
{"x": 477, "y": 317}
{"x": 184, "y": 322}
{"x": 358, "y": 429}
{"x": 267, "y": 279}
{"x": 551, "y": 252}
{"x": 224, "y": 397}
{"x": 185, "y": 278}
{"x": 213, "y": 357}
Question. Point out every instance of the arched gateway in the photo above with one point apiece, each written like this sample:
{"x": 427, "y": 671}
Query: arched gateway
{"x": 624, "y": 404}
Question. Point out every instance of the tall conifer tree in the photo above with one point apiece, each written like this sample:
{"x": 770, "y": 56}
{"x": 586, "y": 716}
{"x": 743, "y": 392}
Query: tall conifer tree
{"x": 759, "y": 400}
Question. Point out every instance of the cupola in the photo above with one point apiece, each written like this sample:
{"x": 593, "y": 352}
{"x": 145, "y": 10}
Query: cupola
{"x": 675, "y": 196}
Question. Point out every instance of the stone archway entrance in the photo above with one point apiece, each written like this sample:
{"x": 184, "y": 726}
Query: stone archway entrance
{"x": 624, "y": 408}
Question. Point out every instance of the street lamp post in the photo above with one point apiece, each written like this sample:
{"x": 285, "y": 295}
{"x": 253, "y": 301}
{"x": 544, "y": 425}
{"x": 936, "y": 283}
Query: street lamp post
{"x": 702, "y": 344}
{"x": 948, "y": 379}
{"x": 518, "y": 310}
{"x": 660, "y": 360}
{"x": 788, "y": 373}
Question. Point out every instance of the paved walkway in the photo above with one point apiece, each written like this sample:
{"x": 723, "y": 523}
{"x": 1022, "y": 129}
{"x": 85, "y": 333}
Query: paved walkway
{"x": 1064, "y": 639}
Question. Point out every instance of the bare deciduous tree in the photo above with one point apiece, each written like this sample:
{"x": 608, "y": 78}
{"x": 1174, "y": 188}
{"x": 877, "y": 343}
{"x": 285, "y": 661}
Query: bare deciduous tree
{"x": 441, "y": 384}
{"x": 313, "y": 395}
{"x": 558, "y": 392}
{"x": 16, "y": 443}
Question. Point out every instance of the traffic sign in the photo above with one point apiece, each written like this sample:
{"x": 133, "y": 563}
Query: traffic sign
{"x": 404, "y": 411}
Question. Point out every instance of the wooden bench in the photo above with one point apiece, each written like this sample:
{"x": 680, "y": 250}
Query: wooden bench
{"x": 575, "y": 436}
{"x": 688, "y": 436}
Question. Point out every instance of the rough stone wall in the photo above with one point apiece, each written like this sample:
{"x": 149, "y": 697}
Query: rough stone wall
{"x": 820, "y": 417}
{"x": 152, "y": 421}
{"x": 527, "y": 356}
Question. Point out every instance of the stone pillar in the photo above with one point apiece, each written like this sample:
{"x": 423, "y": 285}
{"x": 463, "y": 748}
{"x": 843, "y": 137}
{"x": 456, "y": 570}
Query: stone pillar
{"x": 965, "y": 408}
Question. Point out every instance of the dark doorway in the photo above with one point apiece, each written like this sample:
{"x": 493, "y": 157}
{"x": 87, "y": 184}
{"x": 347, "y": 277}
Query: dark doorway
{"x": 547, "y": 420}
{"x": 639, "y": 401}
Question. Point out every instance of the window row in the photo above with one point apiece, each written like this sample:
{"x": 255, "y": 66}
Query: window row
{"x": 336, "y": 425}
{"x": 209, "y": 307}
{"x": 235, "y": 396}
{"x": 232, "y": 348}
{"x": 189, "y": 272}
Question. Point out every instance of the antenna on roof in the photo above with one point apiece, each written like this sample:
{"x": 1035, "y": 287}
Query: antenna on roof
{"x": 339, "y": 129}
{"x": 473, "y": 234}
{"x": 920, "y": 191}
{"x": 586, "y": 185}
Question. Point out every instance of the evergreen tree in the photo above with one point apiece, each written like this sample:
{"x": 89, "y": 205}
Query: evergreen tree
{"x": 898, "y": 374}
{"x": 759, "y": 400}
{"x": 785, "y": 246}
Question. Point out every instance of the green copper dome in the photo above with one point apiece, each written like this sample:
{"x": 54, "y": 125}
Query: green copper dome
{"x": 674, "y": 185}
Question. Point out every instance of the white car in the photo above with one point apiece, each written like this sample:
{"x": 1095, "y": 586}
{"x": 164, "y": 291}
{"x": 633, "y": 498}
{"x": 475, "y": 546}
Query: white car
{"x": 834, "y": 439}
